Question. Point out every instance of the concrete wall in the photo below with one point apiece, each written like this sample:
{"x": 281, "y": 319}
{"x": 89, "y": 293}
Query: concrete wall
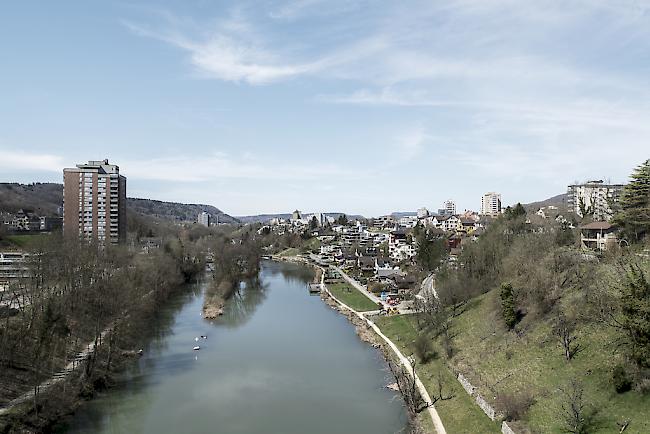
{"x": 505, "y": 429}
{"x": 480, "y": 401}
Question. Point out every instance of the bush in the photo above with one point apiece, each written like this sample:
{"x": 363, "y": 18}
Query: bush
{"x": 515, "y": 405}
{"x": 643, "y": 386}
{"x": 423, "y": 349}
{"x": 621, "y": 380}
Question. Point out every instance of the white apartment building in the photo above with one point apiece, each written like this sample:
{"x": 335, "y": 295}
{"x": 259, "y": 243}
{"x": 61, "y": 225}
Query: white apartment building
{"x": 449, "y": 207}
{"x": 491, "y": 204}
{"x": 422, "y": 213}
{"x": 204, "y": 219}
{"x": 593, "y": 198}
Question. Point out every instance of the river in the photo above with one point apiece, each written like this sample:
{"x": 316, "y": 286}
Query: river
{"x": 278, "y": 361}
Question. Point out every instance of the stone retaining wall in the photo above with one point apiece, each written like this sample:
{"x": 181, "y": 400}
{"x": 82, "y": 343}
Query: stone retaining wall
{"x": 480, "y": 401}
{"x": 505, "y": 429}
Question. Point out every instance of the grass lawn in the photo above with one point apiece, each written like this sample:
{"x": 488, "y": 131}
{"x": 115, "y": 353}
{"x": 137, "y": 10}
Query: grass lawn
{"x": 291, "y": 251}
{"x": 352, "y": 297}
{"x": 311, "y": 244}
{"x": 23, "y": 240}
{"x": 459, "y": 414}
{"x": 498, "y": 361}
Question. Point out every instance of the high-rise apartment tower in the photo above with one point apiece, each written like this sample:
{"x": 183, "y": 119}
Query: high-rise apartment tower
{"x": 94, "y": 202}
{"x": 491, "y": 204}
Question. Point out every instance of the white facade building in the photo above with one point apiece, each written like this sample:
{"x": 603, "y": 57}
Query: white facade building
{"x": 491, "y": 204}
{"x": 450, "y": 207}
{"x": 593, "y": 198}
{"x": 204, "y": 219}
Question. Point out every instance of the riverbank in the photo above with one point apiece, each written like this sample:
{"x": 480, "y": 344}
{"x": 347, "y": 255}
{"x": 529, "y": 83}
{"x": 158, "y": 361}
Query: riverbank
{"x": 215, "y": 301}
{"x": 370, "y": 333}
{"x": 90, "y": 372}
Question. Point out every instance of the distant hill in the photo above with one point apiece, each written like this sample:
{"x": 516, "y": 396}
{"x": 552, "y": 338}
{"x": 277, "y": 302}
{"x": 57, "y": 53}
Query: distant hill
{"x": 264, "y": 218}
{"x": 400, "y": 214}
{"x": 175, "y": 211}
{"x": 558, "y": 201}
{"x": 46, "y": 198}
{"x": 42, "y": 198}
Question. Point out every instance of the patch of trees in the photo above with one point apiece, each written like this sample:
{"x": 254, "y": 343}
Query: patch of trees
{"x": 634, "y": 215}
{"x": 431, "y": 250}
{"x": 79, "y": 293}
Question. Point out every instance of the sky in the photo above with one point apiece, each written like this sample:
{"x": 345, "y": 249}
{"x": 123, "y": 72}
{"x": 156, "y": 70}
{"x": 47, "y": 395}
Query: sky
{"x": 357, "y": 106}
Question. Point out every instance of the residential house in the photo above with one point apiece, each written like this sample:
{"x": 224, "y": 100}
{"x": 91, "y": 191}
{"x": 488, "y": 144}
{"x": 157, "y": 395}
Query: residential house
{"x": 400, "y": 246}
{"x": 384, "y": 268}
{"x": 409, "y": 221}
{"x": 366, "y": 264}
{"x": 450, "y": 223}
{"x": 597, "y": 235}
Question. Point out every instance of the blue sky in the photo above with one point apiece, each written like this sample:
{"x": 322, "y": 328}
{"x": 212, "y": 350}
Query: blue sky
{"x": 327, "y": 105}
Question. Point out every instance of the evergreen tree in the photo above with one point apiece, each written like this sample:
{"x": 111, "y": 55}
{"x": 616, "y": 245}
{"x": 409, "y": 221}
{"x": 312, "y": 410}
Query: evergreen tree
{"x": 430, "y": 251}
{"x": 508, "y": 305}
{"x": 635, "y": 309}
{"x": 634, "y": 215}
{"x": 517, "y": 211}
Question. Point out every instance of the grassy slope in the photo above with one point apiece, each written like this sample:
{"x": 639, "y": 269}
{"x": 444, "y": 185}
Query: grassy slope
{"x": 22, "y": 241}
{"x": 459, "y": 414}
{"x": 536, "y": 364}
{"x": 291, "y": 251}
{"x": 352, "y": 297}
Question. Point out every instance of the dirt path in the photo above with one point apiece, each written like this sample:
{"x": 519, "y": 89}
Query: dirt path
{"x": 59, "y": 376}
{"x": 433, "y": 413}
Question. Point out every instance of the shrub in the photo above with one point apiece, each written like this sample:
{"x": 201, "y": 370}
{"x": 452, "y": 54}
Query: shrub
{"x": 423, "y": 349}
{"x": 515, "y": 405}
{"x": 643, "y": 384}
{"x": 621, "y": 380}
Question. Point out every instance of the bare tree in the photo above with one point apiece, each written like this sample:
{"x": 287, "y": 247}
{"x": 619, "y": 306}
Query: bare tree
{"x": 407, "y": 385}
{"x": 574, "y": 408}
{"x": 565, "y": 331}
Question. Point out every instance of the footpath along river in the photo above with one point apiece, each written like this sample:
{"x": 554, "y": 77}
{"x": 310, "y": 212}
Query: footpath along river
{"x": 278, "y": 361}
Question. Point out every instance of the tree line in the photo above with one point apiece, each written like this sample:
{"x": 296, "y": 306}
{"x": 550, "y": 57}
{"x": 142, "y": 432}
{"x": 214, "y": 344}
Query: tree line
{"x": 77, "y": 293}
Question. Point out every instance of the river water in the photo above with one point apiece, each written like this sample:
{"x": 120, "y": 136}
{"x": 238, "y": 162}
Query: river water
{"x": 278, "y": 361}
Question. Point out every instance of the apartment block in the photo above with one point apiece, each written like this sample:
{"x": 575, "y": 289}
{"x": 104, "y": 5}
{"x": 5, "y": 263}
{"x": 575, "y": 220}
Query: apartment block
{"x": 450, "y": 207}
{"x": 204, "y": 219}
{"x": 593, "y": 198}
{"x": 491, "y": 204}
{"x": 94, "y": 202}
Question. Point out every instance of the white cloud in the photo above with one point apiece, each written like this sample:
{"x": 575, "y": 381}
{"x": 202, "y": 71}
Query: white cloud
{"x": 28, "y": 161}
{"x": 232, "y": 52}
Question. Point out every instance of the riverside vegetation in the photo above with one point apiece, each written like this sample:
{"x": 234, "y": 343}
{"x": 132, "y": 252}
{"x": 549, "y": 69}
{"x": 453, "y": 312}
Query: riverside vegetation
{"x": 81, "y": 293}
{"x": 237, "y": 259}
{"x": 557, "y": 340}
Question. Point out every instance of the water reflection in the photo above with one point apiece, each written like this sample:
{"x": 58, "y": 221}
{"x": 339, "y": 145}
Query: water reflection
{"x": 242, "y": 305}
{"x": 293, "y": 273}
{"x": 278, "y": 361}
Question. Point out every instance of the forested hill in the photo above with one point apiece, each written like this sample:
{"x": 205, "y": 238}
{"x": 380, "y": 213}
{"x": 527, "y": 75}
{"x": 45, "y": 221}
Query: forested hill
{"x": 42, "y": 198}
{"x": 176, "y": 211}
{"x": 46, "y": 198}
{"x": 558, "y": 201}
